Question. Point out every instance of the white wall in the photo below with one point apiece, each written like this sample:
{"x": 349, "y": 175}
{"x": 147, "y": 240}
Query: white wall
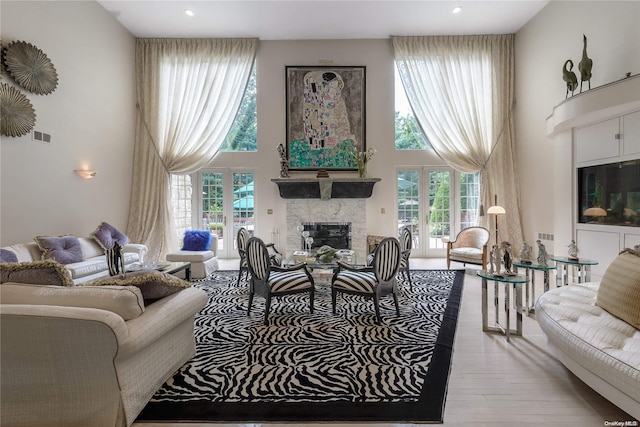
{"x": 377, "y": 56}
{"x": 90, "y": 116}
{"x": 542, "y": 46}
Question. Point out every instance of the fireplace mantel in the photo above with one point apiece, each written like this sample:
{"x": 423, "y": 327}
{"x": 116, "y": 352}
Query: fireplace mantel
{"x": 325, "y": 188}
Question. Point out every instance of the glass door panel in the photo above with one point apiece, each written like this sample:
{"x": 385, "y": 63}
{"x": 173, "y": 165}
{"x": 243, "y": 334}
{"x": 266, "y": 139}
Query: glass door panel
{"x": 227, "y": 205}
{"x": 213, "y": 217}
{"x": 408, "y": 190}
{"x": 242, "y": 207}
{"x": 439, "y": 196}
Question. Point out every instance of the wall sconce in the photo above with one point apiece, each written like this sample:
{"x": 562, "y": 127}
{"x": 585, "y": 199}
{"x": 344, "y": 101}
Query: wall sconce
{"x": 496, "y": 210}
{"x": 85, "y": 174}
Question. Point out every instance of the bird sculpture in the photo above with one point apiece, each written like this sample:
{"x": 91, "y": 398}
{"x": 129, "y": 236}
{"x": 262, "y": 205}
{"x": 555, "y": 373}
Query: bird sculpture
{"x": 585, "y": 64}
{"x": 569, "y": 77}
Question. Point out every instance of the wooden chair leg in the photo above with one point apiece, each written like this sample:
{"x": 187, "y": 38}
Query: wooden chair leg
{"x": 250, "y": 303}
{"x": 395, "y": 300}
{"x": 311, "y": 292}
{"x": 267, "y": 308}
{"x": 334, "y": 294}
{"x": 376, "y": 306}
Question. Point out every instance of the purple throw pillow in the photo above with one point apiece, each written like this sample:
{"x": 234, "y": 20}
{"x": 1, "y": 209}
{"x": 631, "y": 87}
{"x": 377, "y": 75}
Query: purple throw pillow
{"x": 64, "y": 249}
{"x": 196, "y": 240}
{"x": 7, "y": 256}
{"x": 106, "y": 235}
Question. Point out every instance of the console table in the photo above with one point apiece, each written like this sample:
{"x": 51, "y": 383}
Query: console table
{"x": 582, "y": 264}
{"x": 517, "y": 281}
{"x": 533, "y": 267}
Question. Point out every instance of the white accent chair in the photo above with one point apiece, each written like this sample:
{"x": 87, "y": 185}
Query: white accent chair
{"x": 469, "y": 247}
{"x": 203, "y": 263}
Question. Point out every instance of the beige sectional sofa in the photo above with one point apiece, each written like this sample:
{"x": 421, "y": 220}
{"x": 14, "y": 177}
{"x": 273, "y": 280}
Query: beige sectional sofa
{"x": 593, "y": 329}
{"x": 89, "y": 355}
{"x": 93, "y": 264}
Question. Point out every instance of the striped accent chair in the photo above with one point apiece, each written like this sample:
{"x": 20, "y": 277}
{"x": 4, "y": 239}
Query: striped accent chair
{"x": 241, "y": 242}
{"x": 406, "y": 242}
{"x": 271, "y": 281}
{"x": 373, "y": 282}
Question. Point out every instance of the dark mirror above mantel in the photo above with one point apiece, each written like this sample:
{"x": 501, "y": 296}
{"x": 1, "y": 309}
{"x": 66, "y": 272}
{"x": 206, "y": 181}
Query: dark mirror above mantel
{"x": 325, "y": 188}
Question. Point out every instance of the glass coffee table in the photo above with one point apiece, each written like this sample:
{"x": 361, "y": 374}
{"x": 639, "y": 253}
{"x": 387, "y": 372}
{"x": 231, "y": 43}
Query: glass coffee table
{"x": 172, "y": 268}
{"x": 313, "y": 262}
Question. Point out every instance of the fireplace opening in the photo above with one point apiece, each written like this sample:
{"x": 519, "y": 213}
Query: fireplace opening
{"x": 334, "y": 234}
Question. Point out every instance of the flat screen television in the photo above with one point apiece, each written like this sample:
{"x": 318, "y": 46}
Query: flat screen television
{"x": 610, "y": 194}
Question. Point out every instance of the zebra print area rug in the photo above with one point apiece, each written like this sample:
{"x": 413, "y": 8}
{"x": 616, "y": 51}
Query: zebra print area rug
{"x": 317, "y": 367}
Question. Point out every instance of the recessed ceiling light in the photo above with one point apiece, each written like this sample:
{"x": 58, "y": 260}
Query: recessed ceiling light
{"x": 457, "y": 9}
{"x": 188, "y": 12}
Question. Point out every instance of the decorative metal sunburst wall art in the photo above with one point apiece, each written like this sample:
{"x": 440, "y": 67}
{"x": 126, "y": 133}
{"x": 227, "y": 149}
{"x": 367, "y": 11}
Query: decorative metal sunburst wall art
{"x": 17, "y": 116}
{"x": 30, "y": 67}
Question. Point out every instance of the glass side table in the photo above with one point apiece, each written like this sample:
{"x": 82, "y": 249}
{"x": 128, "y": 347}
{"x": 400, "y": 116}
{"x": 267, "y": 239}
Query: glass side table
{"x": 533, "y": 267}
{"x": 582, "y": 264}
{"x": 516, "y": 281}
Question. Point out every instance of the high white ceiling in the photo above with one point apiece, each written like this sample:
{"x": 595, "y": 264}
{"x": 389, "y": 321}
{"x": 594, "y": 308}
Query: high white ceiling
{"x": 320, "y": 19}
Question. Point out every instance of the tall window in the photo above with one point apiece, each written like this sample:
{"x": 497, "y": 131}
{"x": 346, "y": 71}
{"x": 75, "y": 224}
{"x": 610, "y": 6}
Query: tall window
{"x": 469, "y": 199}
{"x": 181, "y": 201}
{"x": 243, "y": 135}
{"x": 409, "y": 136}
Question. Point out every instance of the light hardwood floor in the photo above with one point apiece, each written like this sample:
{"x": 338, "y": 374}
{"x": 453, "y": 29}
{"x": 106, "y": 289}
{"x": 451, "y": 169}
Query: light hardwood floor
{"x": 493, "y": 382}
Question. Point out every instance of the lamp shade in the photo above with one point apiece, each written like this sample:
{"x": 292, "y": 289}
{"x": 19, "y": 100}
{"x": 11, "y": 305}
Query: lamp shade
{"x": 496, "y": 210}
{"x": 595, "y": 212}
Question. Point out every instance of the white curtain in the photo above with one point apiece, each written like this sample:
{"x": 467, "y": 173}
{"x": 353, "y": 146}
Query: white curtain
{"x": 461, "y": 90}
{"x": 188, "y": 93}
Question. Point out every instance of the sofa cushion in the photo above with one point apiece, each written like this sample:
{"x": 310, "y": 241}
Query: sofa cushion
{"x": 8, "y": 256}
{"x": 64, "y": 249}
{"x": 196, "y": 240}
{"x": 125, "y": 301}
{"x": 45, "y": 272}
{"x": 190, "y": 256}
{"x": 152, "y": 284}
{"x": 590, "y": 336}
{"x": 96, "y": 265}
{"x": 106, "y": 235}
{"x": 619, "y": 291}
{"x": 26, "y": 252}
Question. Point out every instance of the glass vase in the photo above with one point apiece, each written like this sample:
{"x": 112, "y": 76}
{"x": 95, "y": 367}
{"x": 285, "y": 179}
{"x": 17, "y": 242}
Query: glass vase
{"x": 362, "y": 170}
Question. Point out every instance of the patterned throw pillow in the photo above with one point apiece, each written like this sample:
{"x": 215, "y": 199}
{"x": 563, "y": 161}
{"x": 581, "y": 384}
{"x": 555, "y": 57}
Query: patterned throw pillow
{"x": 152, "y": 284}
{"x": 106, "y": 235}
{"x": 8, "y": 256}
{"x": 47, "y": 272}
{"x": 64, "y": 249}
{"x": 196, "y": 240}
{"x": 619, "y": 291}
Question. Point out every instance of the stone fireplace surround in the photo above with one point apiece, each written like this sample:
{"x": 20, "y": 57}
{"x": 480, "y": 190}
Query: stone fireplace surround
{"x": 332, "y": 210}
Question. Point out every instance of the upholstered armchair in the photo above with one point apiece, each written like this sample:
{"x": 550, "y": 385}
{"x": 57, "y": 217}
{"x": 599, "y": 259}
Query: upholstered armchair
{"x": 469, "y": 247}
{"x": 373, "y": 282}
{"x": 271, "y": 281}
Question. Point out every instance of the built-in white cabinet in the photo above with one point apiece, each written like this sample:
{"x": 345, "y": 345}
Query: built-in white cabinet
{"x": 608, "y": 141}
{"x": 631, "y": 134}
{"x": 603, "y": 127}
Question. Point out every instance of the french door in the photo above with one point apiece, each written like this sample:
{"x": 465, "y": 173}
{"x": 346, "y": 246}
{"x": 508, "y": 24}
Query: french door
{"x": 226, "y": 203}
{"x": 436, "y": 203}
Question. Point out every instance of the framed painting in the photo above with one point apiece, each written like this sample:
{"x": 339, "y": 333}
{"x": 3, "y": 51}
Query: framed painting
{"x": 325, "y": 116}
